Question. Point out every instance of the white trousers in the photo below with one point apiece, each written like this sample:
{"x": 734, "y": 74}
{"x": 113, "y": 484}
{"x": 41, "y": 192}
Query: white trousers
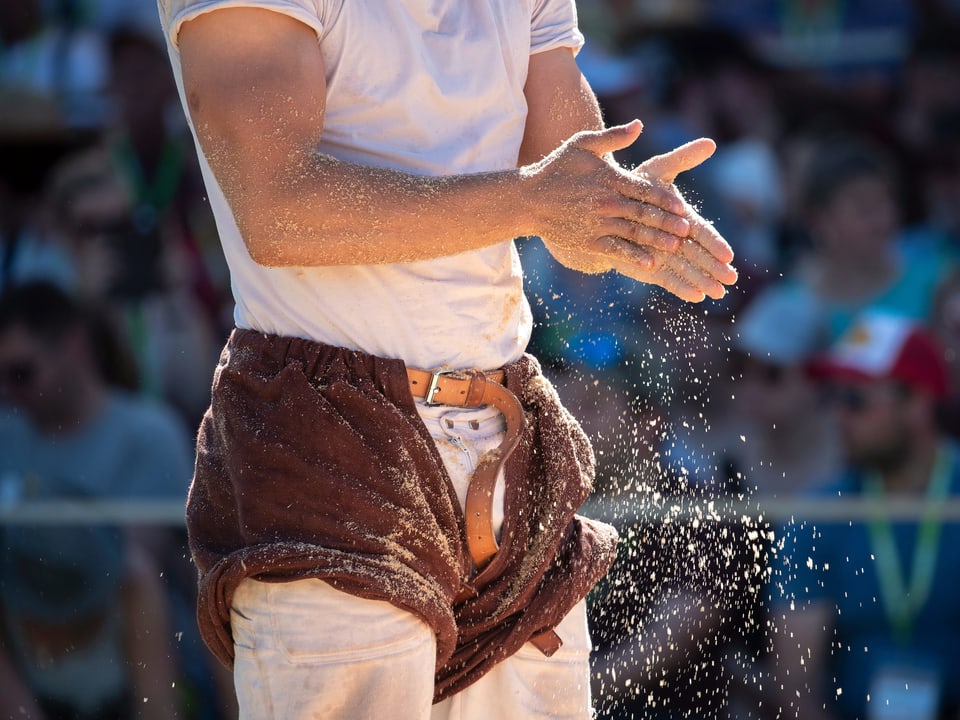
{"x": 305, "y": 650}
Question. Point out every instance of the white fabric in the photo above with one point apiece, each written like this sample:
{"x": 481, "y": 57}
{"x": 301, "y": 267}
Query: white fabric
{"x": 463, "y": 436}
{"x": 427, "y": 86}
{"x": 306, "y": 650}
{"x": 873, "y": 345}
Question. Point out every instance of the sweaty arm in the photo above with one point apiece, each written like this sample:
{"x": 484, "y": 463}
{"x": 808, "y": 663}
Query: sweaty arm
{"x": 255, "y": 89}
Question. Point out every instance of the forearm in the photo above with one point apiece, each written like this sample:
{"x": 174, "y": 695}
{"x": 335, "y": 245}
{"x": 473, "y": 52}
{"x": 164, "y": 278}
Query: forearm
{"x": 298, "y": 207}
{"x": 312, "y": 209}
{"x": 324, "y": 211}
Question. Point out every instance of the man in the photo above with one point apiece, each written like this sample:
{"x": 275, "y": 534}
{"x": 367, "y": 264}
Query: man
{"x": 867, "y": 610}
{"x": 380, "y": 454}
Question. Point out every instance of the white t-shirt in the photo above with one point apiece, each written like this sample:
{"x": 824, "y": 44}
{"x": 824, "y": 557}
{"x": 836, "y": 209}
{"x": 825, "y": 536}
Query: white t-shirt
{"x": 432, "y": 87}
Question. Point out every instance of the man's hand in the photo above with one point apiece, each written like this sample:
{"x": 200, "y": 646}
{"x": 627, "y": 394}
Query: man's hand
{"x": 585, "y": 203}
{"x": 703, "y": 259}
{"x": 635, "y": 223}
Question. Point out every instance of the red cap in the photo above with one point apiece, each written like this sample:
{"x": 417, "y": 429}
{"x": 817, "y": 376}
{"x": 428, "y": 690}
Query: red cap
{"x": 887, "y": 347}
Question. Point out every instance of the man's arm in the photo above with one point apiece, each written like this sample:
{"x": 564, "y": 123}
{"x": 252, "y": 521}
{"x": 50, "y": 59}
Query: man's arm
{"x": 254, "y": 81}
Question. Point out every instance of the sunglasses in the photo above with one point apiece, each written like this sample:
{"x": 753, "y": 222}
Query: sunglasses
{"x": 18, "y": 374}
{"x": 857, "y": 399}
{"x": 849, "y": 398}
{"x": 768, "y": 373}
{"x": 111, "y": 227}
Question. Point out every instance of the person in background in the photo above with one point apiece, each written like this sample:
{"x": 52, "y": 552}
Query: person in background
{"x": 135, "y": 272}
{"x": 51, "y": 61}
{"x": 866, "y": 611}
{"x": 678, "y": 621}
{"x": 776, "y": 437}
{"x": 154, "y": 159}
{"x": 85, "y": 616}
{"x": 852, "y": 217}
{"x": 946, "y": 326}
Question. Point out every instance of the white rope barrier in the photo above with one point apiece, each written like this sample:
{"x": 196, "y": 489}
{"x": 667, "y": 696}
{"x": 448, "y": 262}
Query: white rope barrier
{"x": 620, "y": 511}
{"x": 92, "y": 512}
{"x": 854, "y": 509}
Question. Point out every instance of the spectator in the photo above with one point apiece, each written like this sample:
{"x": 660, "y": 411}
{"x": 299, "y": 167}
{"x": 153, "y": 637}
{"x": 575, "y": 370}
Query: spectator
{"x": 133, "y": 269}
{"x": 678, "y": 617}
{"x": 153, "y": 155}
{"x": 53, "y": 63}
{"x": 776, "y": 435}
{"x": 85, "y": 616}
{"x": 856, "y": 259}
{"x": 946, "y": 325}
{"x": 866, "y": 610}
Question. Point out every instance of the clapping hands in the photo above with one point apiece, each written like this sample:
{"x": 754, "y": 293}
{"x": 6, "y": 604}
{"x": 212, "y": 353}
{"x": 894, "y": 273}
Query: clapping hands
{"x": 637, "y": 223}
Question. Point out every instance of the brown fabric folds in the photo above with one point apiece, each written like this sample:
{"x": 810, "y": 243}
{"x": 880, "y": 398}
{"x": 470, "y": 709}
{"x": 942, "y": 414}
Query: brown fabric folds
{"x": 313, "y": 462}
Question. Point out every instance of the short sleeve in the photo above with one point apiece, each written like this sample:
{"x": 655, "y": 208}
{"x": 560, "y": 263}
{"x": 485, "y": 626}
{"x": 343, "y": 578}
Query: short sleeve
{"x": 554, "y": 24}
{"x": 173, "y": 13}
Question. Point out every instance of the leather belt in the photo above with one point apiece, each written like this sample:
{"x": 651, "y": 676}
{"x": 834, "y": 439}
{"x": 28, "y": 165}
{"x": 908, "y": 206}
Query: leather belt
{"x": 473, "y": 388}
{"x": 466, "y": 389}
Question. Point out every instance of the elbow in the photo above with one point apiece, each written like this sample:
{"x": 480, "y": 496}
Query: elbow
{"x": 264, "y": 256}
{"x": 270, "y": 232}
{"x": 264, "y": 243}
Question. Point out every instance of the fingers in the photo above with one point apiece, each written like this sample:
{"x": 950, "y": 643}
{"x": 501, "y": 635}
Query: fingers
{"x": 697, "y": 264}
{"x": 690, "y": 272}
{"x": 610, "y": 140}
{"x": 706, "y": 237}
{"x": 657, "y": 230}
{"x": 644, "y": 197}
{"x": 620, "y": 252}
{"x": 663, "y": 230}
{"x": 665, "y": 168}
{"x": 684, "y": 288}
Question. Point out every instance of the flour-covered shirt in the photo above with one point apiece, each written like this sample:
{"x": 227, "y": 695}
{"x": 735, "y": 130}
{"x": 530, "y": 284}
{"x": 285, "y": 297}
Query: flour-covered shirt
{"x": 430, "y": 87}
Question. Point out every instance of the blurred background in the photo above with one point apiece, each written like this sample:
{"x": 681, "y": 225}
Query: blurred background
{"x": 763, "y": 574}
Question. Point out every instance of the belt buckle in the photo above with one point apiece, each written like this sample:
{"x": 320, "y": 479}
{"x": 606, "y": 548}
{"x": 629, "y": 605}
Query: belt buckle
{"x": 432, "y": 388}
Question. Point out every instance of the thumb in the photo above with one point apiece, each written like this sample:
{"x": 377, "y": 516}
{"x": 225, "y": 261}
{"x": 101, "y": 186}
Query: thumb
{"x": 600, "y": 142}
{"x": 667, "y": 166}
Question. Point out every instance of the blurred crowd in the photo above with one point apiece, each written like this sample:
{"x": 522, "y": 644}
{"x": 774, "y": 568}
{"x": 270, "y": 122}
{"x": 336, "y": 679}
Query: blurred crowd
{"x": 829, "y": 372}
{"x": 115, "y": 304}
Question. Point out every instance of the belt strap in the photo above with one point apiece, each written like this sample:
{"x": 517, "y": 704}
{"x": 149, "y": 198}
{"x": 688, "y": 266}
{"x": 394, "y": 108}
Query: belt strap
{"x": 473, "y": 388}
